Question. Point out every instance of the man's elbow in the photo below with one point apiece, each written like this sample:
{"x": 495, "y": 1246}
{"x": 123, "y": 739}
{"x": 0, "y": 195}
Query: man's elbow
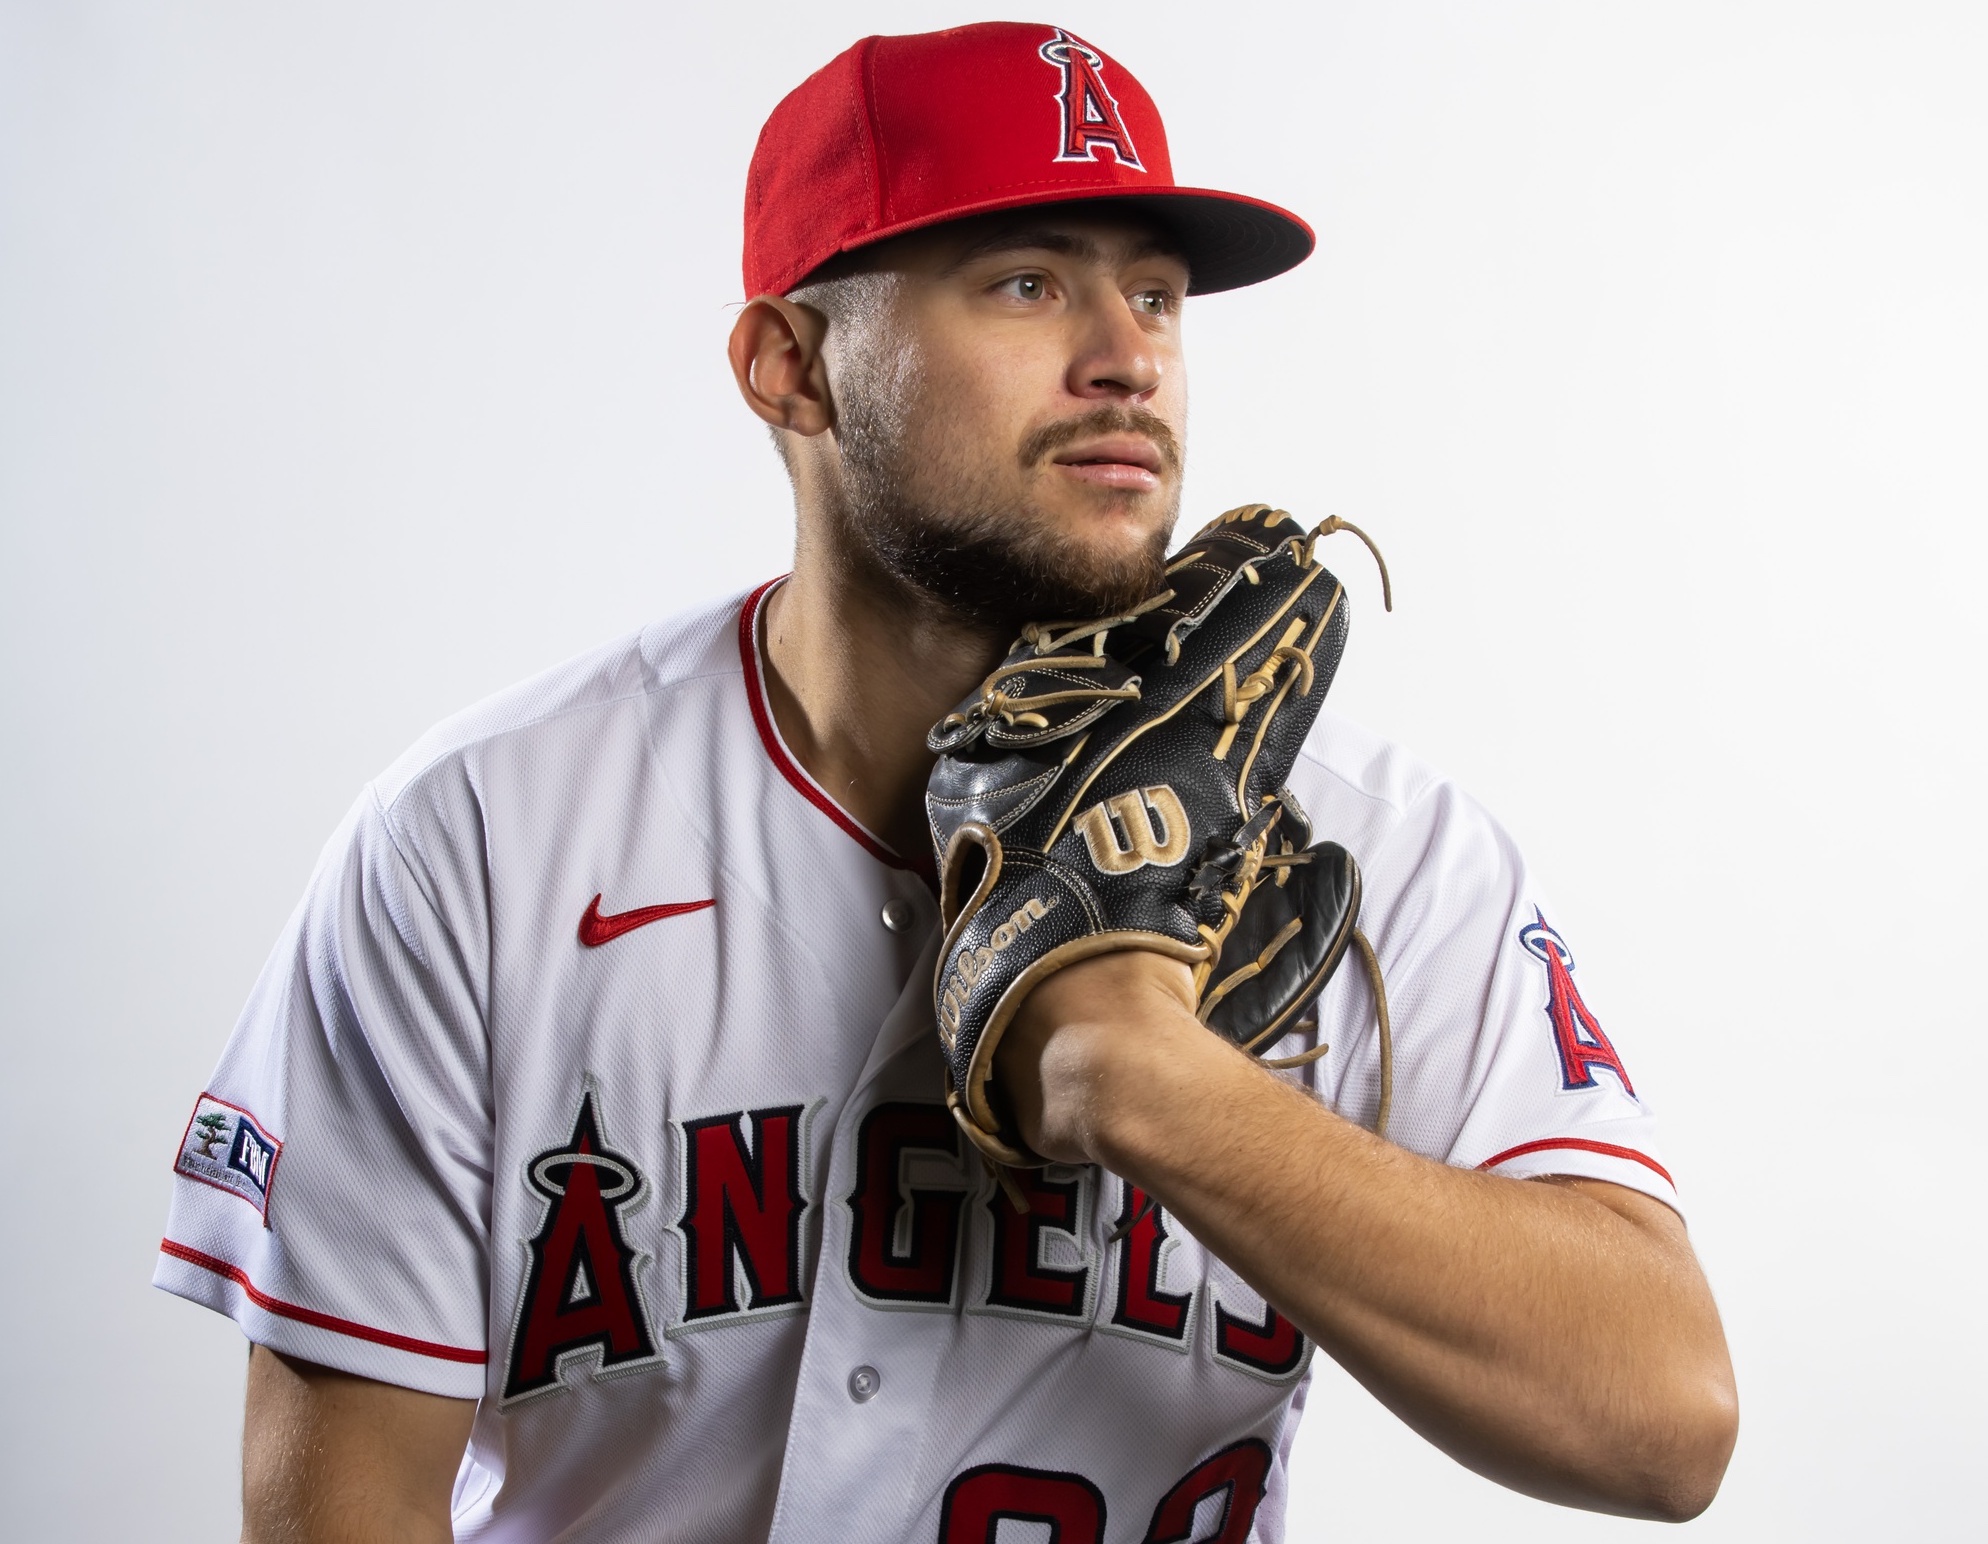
{"x": 1685, "y": 1465}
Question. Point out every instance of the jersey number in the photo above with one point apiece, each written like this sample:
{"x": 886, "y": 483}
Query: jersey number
{"x": 983, "y": 1498}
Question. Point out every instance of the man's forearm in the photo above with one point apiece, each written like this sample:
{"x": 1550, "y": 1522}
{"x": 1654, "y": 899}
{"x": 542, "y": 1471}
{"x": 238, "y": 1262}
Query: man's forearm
{"x": 1559, "y": 1338}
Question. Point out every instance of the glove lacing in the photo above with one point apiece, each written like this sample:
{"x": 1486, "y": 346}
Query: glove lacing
{"x": 1048, "y": 638}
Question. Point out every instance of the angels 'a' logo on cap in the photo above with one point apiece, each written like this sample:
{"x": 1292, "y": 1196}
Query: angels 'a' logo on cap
{"x": 1090, "y": 112}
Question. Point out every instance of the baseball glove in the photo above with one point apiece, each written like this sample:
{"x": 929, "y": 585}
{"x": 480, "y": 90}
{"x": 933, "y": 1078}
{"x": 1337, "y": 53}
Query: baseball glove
{"x": 1119, "y": 784}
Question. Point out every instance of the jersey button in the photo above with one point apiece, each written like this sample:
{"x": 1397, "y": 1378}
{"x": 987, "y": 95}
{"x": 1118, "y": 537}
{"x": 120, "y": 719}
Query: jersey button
{"x": 864, "y": 1383}
{"x": 897, "y": 914}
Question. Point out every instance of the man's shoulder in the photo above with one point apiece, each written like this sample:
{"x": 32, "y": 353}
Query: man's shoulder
{"x": 573, "y": 699}
{"x": 1348, "y": 771}
{"x": 1388, "y": 806}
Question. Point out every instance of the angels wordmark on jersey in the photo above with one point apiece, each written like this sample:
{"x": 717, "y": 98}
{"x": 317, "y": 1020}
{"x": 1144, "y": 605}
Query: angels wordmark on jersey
{"x": 596, "y": 1079}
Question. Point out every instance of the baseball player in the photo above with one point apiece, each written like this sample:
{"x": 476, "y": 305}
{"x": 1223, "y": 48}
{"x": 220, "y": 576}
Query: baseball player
{"x": 586, "y": 1164}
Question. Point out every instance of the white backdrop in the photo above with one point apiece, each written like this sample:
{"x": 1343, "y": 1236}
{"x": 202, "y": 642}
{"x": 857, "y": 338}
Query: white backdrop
{"x": 358, "y": 359}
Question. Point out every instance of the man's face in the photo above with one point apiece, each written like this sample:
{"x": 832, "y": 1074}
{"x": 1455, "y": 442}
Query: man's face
{"x": 1010, "y": 411}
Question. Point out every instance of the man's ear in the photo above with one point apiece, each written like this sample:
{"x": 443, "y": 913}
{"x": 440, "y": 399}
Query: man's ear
{"x": 775, "y": 349}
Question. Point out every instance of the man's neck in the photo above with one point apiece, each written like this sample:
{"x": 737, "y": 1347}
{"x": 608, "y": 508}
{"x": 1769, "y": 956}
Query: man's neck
{"x": 857, "y": 673}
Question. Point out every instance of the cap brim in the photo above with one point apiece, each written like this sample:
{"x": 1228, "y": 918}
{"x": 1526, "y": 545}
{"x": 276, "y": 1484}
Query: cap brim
{"x": 1229, "y": 240}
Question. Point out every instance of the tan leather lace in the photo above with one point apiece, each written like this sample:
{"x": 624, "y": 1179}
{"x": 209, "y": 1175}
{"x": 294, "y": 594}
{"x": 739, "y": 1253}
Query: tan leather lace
{"x": 1049, "y": 640}
{"x": 1050, "y": 636}
{"x": 1250, "y": 972}
{"x": 1234, "y": 893}
{"x": 1331, "y": 524}
{"x": 1382, "y": 1025}
{"x": 995, "y": 703}
{"x": 1239, "y": 696}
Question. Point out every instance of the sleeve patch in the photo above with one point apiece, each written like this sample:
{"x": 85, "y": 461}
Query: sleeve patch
{"x": 227, "y": 1147}
{"x": 1577, "y": 1033}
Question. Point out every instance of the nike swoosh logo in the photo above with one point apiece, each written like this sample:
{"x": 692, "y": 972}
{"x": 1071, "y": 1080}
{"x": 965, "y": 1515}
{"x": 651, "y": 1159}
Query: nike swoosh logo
{"x": 596, "y": 929}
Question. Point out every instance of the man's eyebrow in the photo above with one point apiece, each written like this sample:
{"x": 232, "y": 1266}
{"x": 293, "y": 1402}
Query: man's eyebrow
{"x": 1062, "y": 242}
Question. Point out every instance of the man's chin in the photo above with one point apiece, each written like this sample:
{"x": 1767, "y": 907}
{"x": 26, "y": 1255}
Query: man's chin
{"x": 1103, "y": 527}
{"x": 1002, "y": 585}
{"x": 1099, "y": 558}
{"x": 1070, "y": 551}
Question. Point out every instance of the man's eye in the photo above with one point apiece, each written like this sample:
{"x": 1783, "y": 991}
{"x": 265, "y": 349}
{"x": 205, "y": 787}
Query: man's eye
{"x": 1026, "y": 286}
{"x": 1156, "y": 302}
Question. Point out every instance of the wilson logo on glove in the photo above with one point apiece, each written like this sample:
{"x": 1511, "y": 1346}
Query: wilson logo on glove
{"x": 967, "y": 968}
{"x": 1099, "y": 758}
{"x": 1135, "y": 814}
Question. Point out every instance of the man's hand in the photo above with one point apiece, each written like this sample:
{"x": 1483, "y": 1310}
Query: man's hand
{"x": 330, "y": 1457}
{"x": 1072, "y": 1031}
{"x": 1555, "y": 1336}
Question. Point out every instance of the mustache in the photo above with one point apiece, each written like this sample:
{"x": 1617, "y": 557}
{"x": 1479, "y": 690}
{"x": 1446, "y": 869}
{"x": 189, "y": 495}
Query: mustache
{"x": 1042, "y": 443}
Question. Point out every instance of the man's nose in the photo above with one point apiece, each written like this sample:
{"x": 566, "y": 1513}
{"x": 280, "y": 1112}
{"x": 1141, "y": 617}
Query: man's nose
{"x": 1115, "y": 358}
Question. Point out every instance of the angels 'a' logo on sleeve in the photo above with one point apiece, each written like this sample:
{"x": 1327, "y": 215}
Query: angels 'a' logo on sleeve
{"x": 1577, "y": 1034}
{"x": 228, "y": 1148}
{"x": 582, "y": 1292}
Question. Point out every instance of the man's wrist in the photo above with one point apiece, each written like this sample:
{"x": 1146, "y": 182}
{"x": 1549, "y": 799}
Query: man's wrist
{"x": 1083, "y": 1053}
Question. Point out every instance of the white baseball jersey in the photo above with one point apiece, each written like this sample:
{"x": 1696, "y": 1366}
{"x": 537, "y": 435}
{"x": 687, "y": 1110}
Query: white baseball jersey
{"x": 595, "y": 1079}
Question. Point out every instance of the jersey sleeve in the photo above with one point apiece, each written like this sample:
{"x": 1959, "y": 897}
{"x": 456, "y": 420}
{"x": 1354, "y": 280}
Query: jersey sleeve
{"x": 330, "y": 1189}
{"x": 1500, "y": 1064}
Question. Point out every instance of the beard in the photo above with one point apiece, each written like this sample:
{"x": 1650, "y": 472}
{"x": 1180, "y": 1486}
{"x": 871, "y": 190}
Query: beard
{"x": 966, "y": 537}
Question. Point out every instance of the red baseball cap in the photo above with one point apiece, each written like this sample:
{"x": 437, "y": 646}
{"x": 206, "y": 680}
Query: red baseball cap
{"x": 898, "y": 133}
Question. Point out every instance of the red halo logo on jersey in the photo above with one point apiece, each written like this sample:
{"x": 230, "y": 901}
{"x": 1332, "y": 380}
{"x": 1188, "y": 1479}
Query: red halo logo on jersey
{"x": 1090, "y": 112}
{"x": 1577, "y": 1033}
{"x": 582, "y": 1295}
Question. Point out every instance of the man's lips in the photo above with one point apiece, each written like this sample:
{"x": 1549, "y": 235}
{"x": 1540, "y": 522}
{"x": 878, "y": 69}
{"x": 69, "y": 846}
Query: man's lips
{"x": 1115, "y": 461}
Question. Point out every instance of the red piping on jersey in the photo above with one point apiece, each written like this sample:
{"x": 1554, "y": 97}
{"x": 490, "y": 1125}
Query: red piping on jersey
{"x": 1580, "y": 1144}
{"x": 323, "y": 1321}
{"x": 762, "y": 718}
